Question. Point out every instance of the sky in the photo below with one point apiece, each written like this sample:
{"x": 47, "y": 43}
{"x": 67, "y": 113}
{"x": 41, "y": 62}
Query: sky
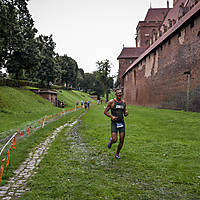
{"x": 91, "y": 30}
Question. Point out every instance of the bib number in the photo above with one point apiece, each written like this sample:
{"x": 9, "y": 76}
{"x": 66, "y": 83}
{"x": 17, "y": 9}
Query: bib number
{"x": 120, "y": 125}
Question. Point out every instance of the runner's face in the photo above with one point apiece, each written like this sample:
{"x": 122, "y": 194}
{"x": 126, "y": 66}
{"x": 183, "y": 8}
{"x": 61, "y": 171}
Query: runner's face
{"x": 118, "y": 94}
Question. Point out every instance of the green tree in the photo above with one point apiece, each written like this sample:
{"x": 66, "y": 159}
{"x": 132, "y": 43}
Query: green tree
{"x": 92, "y": 84}
{"x": 117, "y": 82}
{"x": 17, "y": 33}
{"x": 104, "y": 69}
{"x": 46, "y": 71}
{"x": 88, "y": 83}
{"x": 69, "y": 70}
{"x": 80, "y": 77}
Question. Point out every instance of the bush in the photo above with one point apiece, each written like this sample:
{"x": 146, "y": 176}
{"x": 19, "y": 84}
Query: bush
{"x": 17, "y": 83}
{"x": 22, "y": 83}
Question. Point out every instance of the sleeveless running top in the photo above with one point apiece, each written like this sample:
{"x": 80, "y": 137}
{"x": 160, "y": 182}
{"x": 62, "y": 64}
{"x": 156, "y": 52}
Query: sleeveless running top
{"x": 118, "y": 111}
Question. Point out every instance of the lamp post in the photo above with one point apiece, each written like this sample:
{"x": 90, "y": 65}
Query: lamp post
{"x": 188, "y": 89}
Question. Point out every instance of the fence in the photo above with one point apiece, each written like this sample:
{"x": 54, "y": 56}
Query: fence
{"x": 11, "y": 141}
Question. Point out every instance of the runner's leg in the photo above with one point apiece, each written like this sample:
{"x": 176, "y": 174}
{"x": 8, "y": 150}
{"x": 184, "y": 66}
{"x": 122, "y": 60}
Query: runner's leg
{"x": 112, "y": 140}
{"x": 114, "y": 137}
{"x": 121, "y": 142}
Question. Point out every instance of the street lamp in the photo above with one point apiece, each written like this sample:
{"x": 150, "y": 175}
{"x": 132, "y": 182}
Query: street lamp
{"x": 188, "y": 89}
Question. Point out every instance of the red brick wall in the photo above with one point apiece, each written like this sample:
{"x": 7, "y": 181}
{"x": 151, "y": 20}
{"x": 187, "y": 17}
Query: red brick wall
{"x": 123, "y": 65}
{"x": 159, "y": 80}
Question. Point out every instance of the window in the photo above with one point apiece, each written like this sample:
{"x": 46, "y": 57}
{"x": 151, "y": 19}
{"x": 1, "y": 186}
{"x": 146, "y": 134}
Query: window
{"x": 169, "y": 41}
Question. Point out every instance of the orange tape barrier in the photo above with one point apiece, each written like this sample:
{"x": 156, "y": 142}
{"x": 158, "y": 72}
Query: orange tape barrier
{"x": 25, "y": 132}
{"x": 2, "y": 169}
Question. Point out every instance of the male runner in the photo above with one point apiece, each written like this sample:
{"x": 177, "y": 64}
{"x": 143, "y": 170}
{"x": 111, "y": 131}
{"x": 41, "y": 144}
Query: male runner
{"x": 118, "y": 111}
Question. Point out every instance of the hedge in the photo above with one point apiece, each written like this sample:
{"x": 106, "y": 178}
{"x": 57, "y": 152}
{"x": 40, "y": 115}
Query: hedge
{"x": 21, "y": 83}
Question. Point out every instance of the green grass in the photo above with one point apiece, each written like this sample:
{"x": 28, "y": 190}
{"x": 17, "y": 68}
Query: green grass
{"x": 71, "y": 96}
{"x": 160, "y": 159}
{"x": 20, "y": 107}
{"x": 26, "y": 144}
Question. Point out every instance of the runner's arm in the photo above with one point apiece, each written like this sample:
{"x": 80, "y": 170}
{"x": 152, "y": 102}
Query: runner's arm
{"x": 107, "y": 109}
{"x": 125, "y": 111}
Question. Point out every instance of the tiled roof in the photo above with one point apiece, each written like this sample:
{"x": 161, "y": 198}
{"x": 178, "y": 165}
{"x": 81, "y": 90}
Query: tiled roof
{"x": 173, "y": 13}
{"x": 166, "y": 35}
{"x": 131, "y": 52}
{"x": 156, "y": 14}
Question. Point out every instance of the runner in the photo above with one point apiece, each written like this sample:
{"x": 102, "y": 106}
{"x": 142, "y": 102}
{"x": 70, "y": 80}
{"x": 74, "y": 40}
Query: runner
{"x": 82, "y": 103}
{"x": 118, "y": 111}
{"x": 88, "y": 104}
{"x": 85, "y": 104}
{"x": 77, "y": 102}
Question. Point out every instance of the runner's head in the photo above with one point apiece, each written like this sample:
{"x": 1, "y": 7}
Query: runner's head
{"x": 118, "y": 94}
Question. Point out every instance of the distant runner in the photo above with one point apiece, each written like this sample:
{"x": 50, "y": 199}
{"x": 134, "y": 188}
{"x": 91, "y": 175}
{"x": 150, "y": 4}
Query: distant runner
{"x": 81, "y": 103}
{"x": 118, "y": 111}
{"x": 85, "y": 104}
{"x": 88, "y": 104}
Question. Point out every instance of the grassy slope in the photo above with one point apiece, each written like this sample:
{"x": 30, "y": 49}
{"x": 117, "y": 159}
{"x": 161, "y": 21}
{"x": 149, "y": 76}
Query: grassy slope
{"x": 70, "y": 97}
{"x": 19, "y": 107}
{"x": 160, "y": 159}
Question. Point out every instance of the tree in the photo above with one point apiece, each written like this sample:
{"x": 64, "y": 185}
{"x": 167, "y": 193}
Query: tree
{"x": 46, "y": 71}
{"x": 80, "y": 77}
{"x": 17, "y": 33}
{"x": 27, "y": 57}
{"x": 88, "y": 83}
{"x": 104, "y": 69}
{"x": 117, "y": 82}
{"x": 69, "y": 70}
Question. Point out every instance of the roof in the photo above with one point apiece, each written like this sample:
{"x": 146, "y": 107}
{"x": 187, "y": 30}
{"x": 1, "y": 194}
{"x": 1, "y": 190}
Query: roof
{"x": 46, "y": 92}
{"x": 166, "y": 35}
{"x": 131, "y": 52}
{"x": 156, "y": 14}
{"x": 173, "y": 13}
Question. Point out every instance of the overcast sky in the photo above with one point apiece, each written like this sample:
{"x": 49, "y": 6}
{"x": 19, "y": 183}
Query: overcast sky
{"x": 91, "y": 30}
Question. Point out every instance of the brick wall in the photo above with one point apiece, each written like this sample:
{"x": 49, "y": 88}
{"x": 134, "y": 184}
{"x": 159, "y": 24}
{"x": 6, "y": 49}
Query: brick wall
{"x": 159, "y": 79}
{"x": 123, "y": 65}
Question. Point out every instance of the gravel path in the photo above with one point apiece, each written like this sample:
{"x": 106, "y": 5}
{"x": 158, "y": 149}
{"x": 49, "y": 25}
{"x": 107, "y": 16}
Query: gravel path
{"x": 17, "y": 185}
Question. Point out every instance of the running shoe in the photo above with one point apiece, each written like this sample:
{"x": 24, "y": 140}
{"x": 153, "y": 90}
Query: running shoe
{"x": 117, "y": 156}
{"x": 109, "y": 143}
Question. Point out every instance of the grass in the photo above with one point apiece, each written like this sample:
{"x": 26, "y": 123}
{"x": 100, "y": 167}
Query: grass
{"x": 20, "y": 107}
{"x": 26, "y": 144}
{"x": 70, "y": 97}
{"x": 160, "y": 159}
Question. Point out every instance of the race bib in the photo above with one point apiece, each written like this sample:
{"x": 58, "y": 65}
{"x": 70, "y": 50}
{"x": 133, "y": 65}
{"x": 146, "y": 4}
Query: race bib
{"x": 120, "y": 125}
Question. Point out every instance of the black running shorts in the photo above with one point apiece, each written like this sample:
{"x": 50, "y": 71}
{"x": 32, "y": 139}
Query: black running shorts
{"x": 114, "y": 128}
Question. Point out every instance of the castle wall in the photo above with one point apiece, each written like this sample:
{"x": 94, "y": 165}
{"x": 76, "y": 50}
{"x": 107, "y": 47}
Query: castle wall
{"x": 158, "y": 80}
{"x": 123, "y": 65}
